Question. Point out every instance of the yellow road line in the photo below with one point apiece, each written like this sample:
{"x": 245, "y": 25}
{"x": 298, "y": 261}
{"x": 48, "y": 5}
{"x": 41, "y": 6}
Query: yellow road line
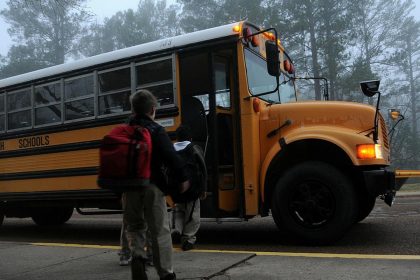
{"x": 280, "y": 254}
{"x": 318, "y": 255}
{"x": 77, "y": 245}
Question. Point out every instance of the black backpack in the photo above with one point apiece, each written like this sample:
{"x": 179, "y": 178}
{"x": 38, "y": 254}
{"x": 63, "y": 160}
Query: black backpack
{"x": 197, "y": 172}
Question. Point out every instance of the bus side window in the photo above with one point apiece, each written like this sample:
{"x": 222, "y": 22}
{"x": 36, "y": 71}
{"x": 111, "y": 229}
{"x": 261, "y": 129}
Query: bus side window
{"x": 157, "y": 76}
{"x": 19, "y": 109}
{"x": 47, "y": 104}
{"x": 114, "y": 91}
{"x": 78, "y": 95}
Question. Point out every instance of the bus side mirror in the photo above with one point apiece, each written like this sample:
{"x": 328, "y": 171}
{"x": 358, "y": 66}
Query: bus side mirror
{"x": 370, "y": 88}
{"x": 273, "y": 62}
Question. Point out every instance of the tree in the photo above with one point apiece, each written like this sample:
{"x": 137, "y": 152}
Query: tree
{"x": 202, "y": 14}
{"x": 199, "y": 14}
{"x": 333, "y": 41}
{"x": 151, "y": 21}
{"x": 407, "y": 58}
{"x": 20, "y": 59}
{"x": 49, "y": 28}
{"x": 374, "y": 27}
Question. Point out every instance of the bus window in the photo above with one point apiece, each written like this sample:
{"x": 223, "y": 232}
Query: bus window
{"x": 157, "y": 76}
{"x": 48, "y": 114}
{"x": 2, "y": 118}
{"x": 259, "y": 81}
{"x": 114, "y": 91}
{"x": 47, "y": 104}
{"x": 78, "y": 94}
{"x": 46, "y": 94}
{"x": 222, "y": 85}
{"x": 19, "y": 109}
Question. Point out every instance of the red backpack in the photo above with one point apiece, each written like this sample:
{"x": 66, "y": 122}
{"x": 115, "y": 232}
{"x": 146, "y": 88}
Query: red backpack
{"x": 124, "y": 158}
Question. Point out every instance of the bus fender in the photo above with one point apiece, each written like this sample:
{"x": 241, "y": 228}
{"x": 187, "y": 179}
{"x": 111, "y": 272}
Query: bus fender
{"x": 344, "y": 139}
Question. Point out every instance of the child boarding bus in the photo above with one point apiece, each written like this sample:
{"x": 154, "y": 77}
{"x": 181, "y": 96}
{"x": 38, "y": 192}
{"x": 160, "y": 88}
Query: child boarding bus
{"x": 317, "y": 167}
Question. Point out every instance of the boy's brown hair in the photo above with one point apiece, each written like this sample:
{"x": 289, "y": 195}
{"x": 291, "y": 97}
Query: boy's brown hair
{"x": 142, "y": 102}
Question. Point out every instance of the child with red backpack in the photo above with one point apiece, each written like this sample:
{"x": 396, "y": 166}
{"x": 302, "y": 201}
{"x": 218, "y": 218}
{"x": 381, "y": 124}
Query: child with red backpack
{"x": 145, "y": 205}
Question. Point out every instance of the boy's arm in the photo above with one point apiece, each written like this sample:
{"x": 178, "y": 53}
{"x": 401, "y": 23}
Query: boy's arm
{"x": 169, "y": 156}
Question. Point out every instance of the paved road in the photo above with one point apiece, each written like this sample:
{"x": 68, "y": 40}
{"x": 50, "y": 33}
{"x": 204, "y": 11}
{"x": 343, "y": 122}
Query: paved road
{"x": 384, "y": 246}
{"x": 388, "y": 230}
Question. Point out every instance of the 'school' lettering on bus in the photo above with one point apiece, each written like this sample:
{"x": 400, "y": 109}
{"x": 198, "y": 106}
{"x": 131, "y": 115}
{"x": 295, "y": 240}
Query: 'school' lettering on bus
{"x": 36, "y": 141}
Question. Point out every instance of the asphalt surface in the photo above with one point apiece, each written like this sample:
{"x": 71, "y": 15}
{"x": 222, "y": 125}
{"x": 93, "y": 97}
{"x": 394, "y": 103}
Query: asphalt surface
{"x": 52, "y": 261}
{"x": 386, "y": 245}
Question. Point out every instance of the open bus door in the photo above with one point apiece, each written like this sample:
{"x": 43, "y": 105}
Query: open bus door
{"x": 209, "y": 108}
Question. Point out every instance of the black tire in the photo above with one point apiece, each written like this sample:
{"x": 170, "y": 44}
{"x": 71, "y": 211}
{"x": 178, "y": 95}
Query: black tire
{"x": 366, "y": 205}
{"x": 314, "y": 202}
{"x": 52, "y": 216}
{"x": 1, "y": 218}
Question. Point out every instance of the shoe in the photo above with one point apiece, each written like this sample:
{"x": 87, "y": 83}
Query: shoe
{"x": 186, "y": 246}
{"x": 138, "y": 269}
{"x": 125, "y": 260}
{"x": 171, "y": 276}
{"x": 176, "y": 237}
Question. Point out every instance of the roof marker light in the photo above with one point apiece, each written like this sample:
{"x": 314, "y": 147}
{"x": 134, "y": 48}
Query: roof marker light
{"x": 236, "y": 28}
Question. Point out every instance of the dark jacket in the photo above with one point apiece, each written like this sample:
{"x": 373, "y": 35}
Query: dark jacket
{"x": 163, "y": 154}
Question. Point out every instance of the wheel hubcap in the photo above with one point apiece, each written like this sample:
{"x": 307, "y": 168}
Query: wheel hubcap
{"x": 312, "y": 204}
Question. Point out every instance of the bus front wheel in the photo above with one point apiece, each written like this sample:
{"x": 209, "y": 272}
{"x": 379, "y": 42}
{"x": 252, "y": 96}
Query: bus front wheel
{"x": 366, "y": 205}
{"x": 53, "y": 216}
{"x": 315, "y": 202}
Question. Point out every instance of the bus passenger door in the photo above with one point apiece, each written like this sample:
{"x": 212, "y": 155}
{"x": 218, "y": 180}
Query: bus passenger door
{"x": 206, "y": 80}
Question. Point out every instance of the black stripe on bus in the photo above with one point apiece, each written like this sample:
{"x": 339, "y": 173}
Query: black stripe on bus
{"x": 52, "y": 149}
{"x": 49, "y": 173}
{"x": 97, "y": 194}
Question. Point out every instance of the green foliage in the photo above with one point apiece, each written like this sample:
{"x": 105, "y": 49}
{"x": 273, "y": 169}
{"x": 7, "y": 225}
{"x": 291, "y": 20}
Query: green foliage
{"x": 20, "y": 59}
{"x": 151, "y": 21}
{"x": 46, "y": 29}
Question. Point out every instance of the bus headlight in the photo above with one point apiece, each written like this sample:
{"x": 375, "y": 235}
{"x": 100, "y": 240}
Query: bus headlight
{"x": 369, "y": 151}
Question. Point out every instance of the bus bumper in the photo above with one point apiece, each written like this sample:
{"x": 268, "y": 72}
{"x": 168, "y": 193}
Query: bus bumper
{"x": 384, "y": 183}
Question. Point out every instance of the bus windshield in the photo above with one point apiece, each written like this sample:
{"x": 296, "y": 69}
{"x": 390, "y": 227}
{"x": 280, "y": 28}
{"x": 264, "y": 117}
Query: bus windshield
{"x": 259, "y": 81}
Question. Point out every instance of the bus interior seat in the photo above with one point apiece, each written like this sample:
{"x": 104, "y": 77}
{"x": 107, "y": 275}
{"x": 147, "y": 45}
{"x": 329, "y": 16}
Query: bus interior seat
{"x": 195, "y": 117}
{"x": 225, "y": 144}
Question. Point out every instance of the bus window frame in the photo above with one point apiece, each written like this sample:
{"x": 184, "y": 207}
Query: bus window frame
{"x": 283, "y": 73}
{"x": 3, "y": 113}
{"x": 80, "y": 98}
{"x": 60, "y": 103}
{"x": 31, "y": 108}
{"x": 99, "y": 94}
{"x": 95, "y": 95}
{"x": 171, "y": 57}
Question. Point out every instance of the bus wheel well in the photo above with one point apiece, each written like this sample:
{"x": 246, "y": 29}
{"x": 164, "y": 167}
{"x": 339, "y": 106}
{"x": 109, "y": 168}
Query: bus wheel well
{"x": 301, "y": 151}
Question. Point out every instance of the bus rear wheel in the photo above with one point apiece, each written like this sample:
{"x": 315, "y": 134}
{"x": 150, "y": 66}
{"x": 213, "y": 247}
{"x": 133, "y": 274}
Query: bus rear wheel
{"x": 315, "y": 202}
{"x": 52, "y": 216}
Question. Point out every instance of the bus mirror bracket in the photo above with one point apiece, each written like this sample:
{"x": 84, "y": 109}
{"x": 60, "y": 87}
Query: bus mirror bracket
{"x": 273, "y": 62}
{"x": 369, "y": 89}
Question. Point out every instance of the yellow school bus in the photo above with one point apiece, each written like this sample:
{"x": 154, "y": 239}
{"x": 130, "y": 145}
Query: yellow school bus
{"x": 316, "y": 167}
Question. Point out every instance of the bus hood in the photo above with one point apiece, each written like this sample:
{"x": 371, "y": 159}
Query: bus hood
{"x": 350, "y": 115}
